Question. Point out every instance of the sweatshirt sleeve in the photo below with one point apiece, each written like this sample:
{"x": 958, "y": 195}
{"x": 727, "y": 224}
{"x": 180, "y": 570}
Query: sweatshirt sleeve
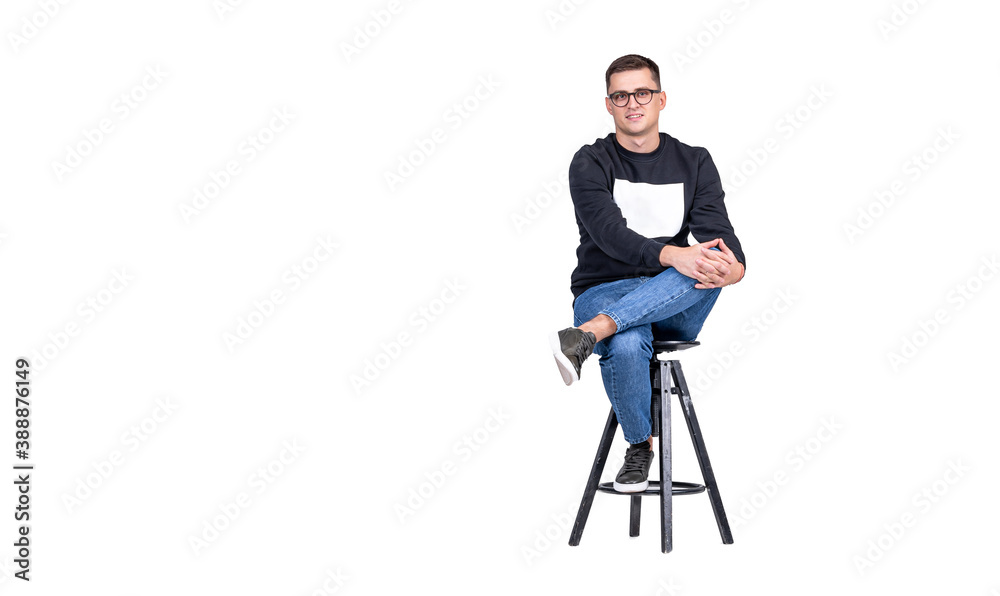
{"x": 709, "y": 219}
{"x": 590, "y": 188}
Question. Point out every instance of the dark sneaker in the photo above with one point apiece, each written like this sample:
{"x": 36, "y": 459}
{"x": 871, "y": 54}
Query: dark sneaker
{"x": 571, "y": 346}
{"x": 632, "y": 478}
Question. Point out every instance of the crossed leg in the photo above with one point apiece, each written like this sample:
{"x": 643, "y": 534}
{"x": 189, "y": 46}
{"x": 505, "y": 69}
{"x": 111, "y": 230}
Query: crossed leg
{"x": 630, "y": 314}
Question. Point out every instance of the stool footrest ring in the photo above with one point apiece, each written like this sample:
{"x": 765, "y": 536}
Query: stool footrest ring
{"x": 679, "y": 488}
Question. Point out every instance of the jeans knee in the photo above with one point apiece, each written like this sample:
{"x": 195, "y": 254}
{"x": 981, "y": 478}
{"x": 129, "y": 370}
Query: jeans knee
{"x": 636, "y": 341}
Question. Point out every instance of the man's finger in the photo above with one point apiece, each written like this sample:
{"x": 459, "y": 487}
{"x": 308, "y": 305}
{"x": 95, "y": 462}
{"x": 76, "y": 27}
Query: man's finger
{"x": 720, "y": 255}
{"x": 719, "y": 268}
{"x": 707, "y": 276}
{"x": 725, "y": 248}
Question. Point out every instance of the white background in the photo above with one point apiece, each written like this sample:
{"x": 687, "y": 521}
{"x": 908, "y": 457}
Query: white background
{"x": 487, "y": 211}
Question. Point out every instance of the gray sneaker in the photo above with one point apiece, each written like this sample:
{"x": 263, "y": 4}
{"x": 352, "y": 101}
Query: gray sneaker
{"x": 571, "y": 347}
{"x": 634, "y": 475}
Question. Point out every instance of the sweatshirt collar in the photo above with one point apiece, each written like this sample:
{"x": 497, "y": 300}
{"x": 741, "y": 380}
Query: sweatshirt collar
{"x": 641, "y": 157}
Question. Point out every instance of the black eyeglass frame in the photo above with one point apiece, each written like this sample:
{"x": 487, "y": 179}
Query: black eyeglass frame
{"x": 633, "y": 94}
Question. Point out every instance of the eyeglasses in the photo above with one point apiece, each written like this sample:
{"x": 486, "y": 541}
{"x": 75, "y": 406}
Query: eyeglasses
{"x": 642, "y": 97}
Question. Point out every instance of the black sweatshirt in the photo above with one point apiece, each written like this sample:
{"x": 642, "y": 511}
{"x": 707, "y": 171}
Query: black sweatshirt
{"x": 629, "y": 205}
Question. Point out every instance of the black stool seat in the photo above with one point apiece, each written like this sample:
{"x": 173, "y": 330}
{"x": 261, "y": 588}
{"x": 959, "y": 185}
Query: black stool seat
{"x": 666, "y": 379}
{"x": 660, "y": 347}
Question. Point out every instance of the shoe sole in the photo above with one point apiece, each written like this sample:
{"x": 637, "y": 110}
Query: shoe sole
{"x": 632, "y": 488}
{"x": 565, "y": 366}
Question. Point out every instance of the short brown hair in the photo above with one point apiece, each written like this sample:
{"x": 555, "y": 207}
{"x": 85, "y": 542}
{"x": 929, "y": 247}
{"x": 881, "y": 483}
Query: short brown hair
{"x": 632, "y": 62}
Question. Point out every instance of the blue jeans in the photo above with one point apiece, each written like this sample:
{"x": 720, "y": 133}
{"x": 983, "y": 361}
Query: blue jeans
{"x": 664, "y": 307}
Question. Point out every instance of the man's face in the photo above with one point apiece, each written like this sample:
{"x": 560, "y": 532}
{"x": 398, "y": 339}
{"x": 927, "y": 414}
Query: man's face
{"x": 634, "y": 119}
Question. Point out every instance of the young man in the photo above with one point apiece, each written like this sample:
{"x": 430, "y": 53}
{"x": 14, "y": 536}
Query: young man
{"x": 637, "y": 194}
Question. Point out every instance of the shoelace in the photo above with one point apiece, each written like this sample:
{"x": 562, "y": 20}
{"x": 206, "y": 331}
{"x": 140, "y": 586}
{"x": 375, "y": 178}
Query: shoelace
{"x": 636, "y": 459}
{"x": 583, "y": 348}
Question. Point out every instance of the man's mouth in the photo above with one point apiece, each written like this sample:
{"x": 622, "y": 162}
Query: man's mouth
{"x": 633, "y": 116}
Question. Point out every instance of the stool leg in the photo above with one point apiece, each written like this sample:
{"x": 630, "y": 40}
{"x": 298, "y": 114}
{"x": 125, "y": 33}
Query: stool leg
{"x": 595, "y": 478}
{"x": 654, "y": 405}
{"x": 666, "y": 481}
{"x": 702, "y": 453}
{"x": 633, "y": 521}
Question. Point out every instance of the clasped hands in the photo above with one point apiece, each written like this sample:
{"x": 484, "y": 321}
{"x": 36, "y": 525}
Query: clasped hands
{"x": 710, "y": 268}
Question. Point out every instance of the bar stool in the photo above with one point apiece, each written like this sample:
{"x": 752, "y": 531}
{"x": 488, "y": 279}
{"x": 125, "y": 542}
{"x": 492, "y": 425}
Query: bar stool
{"x": 666, "y": 378}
